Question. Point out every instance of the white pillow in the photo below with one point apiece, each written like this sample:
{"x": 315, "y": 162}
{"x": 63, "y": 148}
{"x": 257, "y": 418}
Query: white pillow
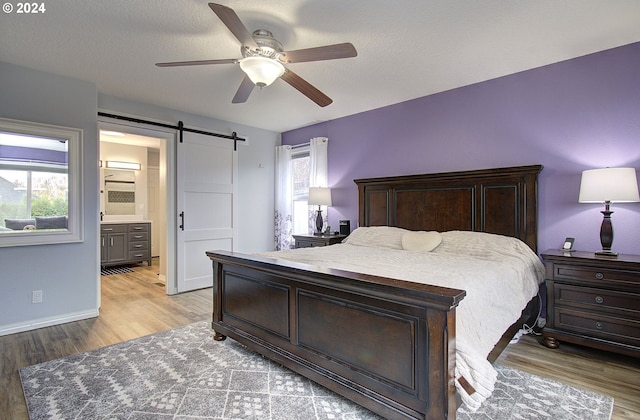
{"x": 421, "y": 241}
{"x": 377, "y": 236}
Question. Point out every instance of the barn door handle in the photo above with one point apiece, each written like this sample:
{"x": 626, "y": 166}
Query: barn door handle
{"x": 182, "y": 220}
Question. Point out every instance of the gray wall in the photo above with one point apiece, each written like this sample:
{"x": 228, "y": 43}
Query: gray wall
{"x": 68, "y": 274}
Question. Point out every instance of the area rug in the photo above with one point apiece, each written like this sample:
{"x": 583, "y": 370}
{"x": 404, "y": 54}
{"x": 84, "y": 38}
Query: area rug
{"x": 185, "y": 374}
{"x": 109, "y": 271}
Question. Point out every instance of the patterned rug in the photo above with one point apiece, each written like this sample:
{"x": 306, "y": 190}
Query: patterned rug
{"x": 108, "y": 271}
{"x": 185, "y": 374}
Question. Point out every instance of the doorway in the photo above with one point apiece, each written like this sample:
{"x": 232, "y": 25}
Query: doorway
{"x": 153, "y": 150}
{"x": 197, "y": 180}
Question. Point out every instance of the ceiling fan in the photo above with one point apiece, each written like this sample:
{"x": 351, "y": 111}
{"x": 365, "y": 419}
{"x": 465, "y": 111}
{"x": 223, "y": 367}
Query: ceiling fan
{"x": 263, "y": 59}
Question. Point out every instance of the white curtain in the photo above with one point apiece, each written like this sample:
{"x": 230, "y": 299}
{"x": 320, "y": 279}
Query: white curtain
{"x": 284, "y": 199}
{"x": 318, "y": 174}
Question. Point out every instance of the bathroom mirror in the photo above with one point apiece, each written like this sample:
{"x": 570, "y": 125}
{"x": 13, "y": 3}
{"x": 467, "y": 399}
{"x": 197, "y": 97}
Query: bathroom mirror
{"x": 40, "y": 194}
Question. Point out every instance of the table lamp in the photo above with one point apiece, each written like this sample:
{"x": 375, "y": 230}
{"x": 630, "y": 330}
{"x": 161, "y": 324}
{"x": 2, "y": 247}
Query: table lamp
{"x": 320, "y": 196}
{"x": 608, "y": 185}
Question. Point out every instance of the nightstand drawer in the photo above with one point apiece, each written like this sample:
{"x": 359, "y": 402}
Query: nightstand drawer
{"x": 312, "y": 241}
{"x": 596, "y": 275}
{"x": 308, "y": 244}
{"x": 595, "y": 299}
{"x": 597, "y": 325}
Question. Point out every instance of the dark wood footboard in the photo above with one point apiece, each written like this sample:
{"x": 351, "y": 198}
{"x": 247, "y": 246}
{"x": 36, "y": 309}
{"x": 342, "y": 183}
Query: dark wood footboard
{"x": 385, "y": 344}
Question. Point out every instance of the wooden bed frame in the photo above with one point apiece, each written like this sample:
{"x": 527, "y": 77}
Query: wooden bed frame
{"x": 386, "y": 344}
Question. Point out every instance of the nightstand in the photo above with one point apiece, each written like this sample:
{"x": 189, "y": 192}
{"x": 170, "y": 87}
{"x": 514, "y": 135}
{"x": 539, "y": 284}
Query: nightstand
{"x": 308, "y": 241}
{"x": 593, "y": 301}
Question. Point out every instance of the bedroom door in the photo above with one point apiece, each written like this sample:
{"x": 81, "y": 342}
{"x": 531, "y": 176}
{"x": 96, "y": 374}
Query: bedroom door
{"x": 206, "y": 206}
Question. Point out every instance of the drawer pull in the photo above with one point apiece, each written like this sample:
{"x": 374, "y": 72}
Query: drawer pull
{"x": 599, "y": 325}
{"x": 599, "y": 276}
{"x": 599, "y": 299}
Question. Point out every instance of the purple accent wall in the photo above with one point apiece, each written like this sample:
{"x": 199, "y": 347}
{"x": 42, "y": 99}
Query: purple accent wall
{"x": 570, "y": 116}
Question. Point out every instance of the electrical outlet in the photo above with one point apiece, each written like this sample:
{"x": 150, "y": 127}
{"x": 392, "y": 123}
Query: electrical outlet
{"x": 36, "y": 296}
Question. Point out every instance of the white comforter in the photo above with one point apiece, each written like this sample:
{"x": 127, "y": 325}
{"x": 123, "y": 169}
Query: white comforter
{"x": 500, "y": 275}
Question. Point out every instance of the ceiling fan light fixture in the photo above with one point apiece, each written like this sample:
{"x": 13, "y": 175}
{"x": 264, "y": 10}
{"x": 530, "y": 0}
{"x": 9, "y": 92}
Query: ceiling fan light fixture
{"x": 262, "y": 70}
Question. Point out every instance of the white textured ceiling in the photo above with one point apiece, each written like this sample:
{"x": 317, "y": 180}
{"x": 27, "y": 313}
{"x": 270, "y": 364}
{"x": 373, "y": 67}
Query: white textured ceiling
{"x": 406, "y": 48}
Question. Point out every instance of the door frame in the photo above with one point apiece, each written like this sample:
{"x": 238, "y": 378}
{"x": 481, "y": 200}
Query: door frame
{"x": 168, "y": 161}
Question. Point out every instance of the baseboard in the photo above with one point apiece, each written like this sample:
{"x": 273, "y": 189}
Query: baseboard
{"x": 47, "y": 322}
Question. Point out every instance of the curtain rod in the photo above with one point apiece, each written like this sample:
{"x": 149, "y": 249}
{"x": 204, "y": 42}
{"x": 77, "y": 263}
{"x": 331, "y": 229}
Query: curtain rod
{"x": 295, "y": 146}
{"x": 180, "y": 127}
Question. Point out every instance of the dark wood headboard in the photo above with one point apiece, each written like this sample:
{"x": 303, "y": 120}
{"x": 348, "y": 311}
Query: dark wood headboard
{"x": 499, "y": 200}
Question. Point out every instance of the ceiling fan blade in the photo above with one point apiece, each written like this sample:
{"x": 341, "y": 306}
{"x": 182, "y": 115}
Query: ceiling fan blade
{"x": 197, "y": 62}
{"x": 235, "y": 25}
{"x": 245, "y": 89}
{"x": 306, "y": 88}
{"x": 328, "y": 52}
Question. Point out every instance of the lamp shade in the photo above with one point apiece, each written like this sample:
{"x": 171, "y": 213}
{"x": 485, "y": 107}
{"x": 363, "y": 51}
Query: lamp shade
{"x": 319, "y": 196}
{"x": 616, "y": 185}
{"x": 262, "y": 70}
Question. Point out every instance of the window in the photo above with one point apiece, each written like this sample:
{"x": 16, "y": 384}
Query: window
{"x": 40, "y": 199}
{"x": 300, "y": 167}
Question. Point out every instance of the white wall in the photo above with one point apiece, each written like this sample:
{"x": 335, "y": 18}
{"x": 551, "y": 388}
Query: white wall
{"x": 66, "y": 273}
{"x": 127, "y": 153}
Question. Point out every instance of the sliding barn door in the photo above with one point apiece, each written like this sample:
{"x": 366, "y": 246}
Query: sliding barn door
{"x": 206, "y": 206}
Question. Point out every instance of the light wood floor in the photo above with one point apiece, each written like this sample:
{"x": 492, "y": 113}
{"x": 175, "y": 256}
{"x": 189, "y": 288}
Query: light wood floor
{"x": 134, "y": 305}
{"x": 603, "y": 372}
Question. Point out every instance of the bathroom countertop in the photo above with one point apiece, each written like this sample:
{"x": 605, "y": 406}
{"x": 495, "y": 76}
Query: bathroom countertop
{"x": 124, "y": 218}
{"x": 113, "y": 222}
